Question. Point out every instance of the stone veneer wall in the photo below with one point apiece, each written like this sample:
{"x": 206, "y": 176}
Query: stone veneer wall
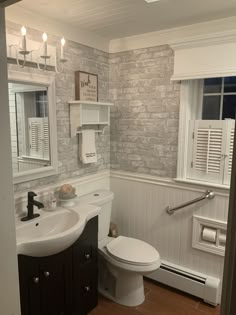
{"x": 79, "y": 58}
{"x": 144, "y": 118}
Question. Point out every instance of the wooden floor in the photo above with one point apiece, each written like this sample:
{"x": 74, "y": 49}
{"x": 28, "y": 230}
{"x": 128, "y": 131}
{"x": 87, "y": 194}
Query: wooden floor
{"x": 160, "y": 300}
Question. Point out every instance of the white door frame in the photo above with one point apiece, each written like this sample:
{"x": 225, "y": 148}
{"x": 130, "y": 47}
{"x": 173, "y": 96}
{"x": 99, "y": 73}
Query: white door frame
{"x": 9, "y": 284}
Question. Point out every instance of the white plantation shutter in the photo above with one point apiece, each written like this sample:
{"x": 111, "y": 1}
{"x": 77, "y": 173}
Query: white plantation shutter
{"x": 46, "y": 138}
{"x": 229, "y": 152}
{"x": 39, "y": 137}
{"x": 206, "y": 146}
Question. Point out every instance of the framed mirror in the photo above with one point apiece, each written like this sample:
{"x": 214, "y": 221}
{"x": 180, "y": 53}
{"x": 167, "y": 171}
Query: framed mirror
{"x": 33, "y": 125}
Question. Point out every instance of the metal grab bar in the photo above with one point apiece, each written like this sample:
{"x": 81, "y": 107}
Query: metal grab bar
{"x": 207, "y": 195}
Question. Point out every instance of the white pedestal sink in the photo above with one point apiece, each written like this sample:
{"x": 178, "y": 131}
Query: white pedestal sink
{"x": 52, "y": 232}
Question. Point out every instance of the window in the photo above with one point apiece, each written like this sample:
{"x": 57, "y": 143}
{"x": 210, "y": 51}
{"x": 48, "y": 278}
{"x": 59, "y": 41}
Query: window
{"x": 206, "y": 135}
{"x": 219, "y": 98}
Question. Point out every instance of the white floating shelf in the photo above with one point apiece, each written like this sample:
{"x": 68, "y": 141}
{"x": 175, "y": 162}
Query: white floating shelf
{"x": 88, "y": 113}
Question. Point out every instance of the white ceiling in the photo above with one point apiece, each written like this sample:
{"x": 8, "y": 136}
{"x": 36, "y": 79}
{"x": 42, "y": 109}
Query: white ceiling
{"x": 120, "y": 18}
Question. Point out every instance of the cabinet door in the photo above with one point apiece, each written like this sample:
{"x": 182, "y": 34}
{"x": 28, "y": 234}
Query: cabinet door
{"x": 85, "y": 269}
{"x": 56, "y": 284}
{"x": 29, "y": 285}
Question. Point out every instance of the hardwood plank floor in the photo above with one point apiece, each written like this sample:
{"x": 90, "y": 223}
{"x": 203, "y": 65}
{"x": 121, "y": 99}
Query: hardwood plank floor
{"x": 160, "y": 300}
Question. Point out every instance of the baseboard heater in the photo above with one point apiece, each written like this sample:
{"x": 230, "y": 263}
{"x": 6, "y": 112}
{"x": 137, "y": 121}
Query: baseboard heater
{"x": 197, "y": 284}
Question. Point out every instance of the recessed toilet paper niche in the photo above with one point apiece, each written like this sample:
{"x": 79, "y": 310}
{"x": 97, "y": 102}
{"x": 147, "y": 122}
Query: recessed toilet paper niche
{"x": 209, "y": 235}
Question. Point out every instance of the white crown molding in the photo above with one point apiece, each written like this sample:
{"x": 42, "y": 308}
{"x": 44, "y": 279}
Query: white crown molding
{"x": 215, "y": 32}
{"x": 206, "y": 40}
{"x": 204, "y": 74}
{"x": 18, "y": 15}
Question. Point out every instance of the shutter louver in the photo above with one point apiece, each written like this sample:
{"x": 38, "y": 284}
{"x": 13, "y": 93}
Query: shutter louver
{"x": 39, "y": 137}
{"x": 215, "y": 137}
{"x": 229, "y": 151}
{"x": 231, "y": 147}
{"x": 46, "y": 138}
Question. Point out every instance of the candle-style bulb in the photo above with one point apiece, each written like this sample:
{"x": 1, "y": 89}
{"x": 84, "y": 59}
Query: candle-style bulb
{"x": 63, "y": 41}
{"x": 23, "y": 31}
{"x": 45, "y": 37}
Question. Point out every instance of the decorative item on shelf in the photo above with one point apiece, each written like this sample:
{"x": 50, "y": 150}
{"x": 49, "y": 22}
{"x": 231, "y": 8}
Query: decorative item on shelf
{"x": 86, "y": 86}
{"x": 66, "y": 195}
{"x": 23, "y": 51}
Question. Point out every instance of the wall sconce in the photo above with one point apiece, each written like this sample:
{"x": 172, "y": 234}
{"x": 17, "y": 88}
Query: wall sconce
{"x": 45, "y": 57}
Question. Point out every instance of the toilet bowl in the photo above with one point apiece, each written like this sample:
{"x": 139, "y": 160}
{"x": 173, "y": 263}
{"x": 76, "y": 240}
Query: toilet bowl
{"x": 123, "y": 261}
{"x": 122, "y": 264}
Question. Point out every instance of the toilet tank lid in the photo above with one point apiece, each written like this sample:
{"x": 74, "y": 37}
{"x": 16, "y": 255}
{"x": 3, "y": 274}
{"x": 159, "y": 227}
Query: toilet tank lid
{"x": 98, "y": 197}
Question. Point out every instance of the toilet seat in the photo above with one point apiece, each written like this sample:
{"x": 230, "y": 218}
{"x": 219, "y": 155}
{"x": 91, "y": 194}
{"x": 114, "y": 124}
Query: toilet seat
{"x": 132, "y": 251}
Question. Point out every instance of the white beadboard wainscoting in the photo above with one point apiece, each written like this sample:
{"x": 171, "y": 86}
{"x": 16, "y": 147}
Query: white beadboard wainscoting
{"x": 139, "y": 211}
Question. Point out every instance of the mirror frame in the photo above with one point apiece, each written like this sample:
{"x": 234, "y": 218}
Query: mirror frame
{"x": 49, "y": 82}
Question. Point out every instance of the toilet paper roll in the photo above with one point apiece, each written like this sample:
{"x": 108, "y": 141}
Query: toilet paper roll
{"x": 209, "y": 235}
{"x": 222, "y": 239}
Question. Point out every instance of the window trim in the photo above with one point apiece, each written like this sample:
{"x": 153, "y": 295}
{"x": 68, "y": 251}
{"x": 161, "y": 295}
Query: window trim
{"x": 190, "y": 108}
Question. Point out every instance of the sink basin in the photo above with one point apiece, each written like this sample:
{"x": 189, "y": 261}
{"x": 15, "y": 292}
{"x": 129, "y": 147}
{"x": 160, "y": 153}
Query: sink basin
{"x": 53, "y": 232}
{"x": 48, "y": 234}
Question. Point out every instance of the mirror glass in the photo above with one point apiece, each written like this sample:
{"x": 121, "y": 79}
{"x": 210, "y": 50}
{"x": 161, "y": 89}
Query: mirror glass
{"x": 28, "y": 106}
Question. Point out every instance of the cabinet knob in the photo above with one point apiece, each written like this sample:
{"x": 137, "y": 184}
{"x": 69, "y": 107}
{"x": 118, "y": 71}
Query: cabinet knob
{"x": 87, "y": 288}
{"x": 87, "y": 256}
{"x": 36, "y": 280}
{"x": 46, "y": 274}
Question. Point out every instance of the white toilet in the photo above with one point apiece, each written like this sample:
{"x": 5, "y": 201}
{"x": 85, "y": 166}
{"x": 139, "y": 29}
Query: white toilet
{"x": 122, "y": 261}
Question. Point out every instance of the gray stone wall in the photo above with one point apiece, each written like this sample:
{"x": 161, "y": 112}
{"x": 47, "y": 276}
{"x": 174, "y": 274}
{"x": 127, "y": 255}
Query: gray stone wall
{"x": 144, "y": 118}
{"x": 79, "y": 58}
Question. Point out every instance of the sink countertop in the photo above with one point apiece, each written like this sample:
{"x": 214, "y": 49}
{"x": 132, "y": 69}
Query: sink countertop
{"x": 53, "y": 231}
{"x": 85, "y": 211}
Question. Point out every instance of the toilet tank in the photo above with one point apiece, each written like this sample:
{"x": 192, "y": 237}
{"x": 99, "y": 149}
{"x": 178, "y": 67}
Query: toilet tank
{"x": 103, "y": 199}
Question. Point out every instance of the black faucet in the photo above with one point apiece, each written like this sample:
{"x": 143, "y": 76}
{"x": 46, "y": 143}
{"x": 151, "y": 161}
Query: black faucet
{"x": 31, "y": 203}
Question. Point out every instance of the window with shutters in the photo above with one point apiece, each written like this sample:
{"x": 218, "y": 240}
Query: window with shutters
{"x": 210, "y": 150}
{"x": 206, "y": 130}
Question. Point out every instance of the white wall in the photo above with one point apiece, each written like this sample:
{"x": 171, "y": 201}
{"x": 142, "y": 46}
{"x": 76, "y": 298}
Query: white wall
{"x": 139, "y": 210}
{"x": 9, "y": 294}
{"x": 12, "y": 109}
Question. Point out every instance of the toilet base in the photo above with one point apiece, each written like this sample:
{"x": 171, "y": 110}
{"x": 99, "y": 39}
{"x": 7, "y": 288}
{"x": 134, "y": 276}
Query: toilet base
{"x": 125, "y": 288}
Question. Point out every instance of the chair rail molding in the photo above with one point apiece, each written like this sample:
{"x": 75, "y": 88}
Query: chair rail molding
{"x": 169, "y": 182}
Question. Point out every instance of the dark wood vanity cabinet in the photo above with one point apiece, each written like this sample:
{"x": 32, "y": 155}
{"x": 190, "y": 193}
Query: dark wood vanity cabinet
{"x": 85, "y": 271}
{"x": 62, "y": 284}
{"x": 45, "y": 284}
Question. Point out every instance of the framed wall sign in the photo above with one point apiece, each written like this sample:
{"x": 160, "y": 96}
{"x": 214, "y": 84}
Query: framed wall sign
{"x": 86, "y": 86}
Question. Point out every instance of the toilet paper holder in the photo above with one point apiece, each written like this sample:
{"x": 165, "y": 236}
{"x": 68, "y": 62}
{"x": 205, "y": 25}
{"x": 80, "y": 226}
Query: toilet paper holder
{"x": 209, "y": 235}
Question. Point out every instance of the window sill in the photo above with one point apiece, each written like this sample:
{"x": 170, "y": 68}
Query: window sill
{"x": 225, "y": 188}
{"x": 33, "y": 158}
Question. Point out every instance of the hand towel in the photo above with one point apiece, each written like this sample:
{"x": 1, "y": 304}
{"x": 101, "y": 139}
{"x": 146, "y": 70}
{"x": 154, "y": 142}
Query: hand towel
{"x": 88, "y": 152}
